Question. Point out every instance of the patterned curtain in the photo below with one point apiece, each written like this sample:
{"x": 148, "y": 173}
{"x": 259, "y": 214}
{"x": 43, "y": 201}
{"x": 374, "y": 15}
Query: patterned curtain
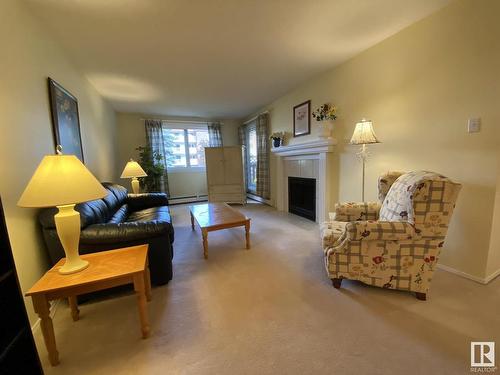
{"x": 263, "y": 175}
{"x": 214, "y": 134}
{"x": 154, "y": 138}
{"x": 242, "y": 135}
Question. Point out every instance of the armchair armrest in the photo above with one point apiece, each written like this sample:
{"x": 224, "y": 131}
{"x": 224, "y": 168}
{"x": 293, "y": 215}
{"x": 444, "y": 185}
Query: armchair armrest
{"x": 146, "y": 200}
{"x": 380, "y": 230}
{"x": 352, "y": 211}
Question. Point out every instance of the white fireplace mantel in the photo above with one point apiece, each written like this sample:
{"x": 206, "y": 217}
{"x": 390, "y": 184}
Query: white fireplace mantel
{"x": 312, "y": 159}
{"x": 311, "y": 147}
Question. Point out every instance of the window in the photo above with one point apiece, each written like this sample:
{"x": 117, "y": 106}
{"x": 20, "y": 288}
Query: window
{"x": 185, "y": 147}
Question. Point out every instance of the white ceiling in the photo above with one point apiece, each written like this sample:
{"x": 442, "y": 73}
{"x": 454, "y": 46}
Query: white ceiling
{"x": 215, "y": 58}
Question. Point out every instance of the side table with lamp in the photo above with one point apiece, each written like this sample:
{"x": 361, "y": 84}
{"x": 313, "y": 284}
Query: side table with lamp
{"x": 62, "y": 181}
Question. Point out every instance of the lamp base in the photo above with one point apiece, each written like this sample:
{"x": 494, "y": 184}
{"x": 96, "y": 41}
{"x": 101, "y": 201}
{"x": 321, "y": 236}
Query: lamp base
{"x": 68, "y": 229}
{"x": 73, "y": 267}
{"x": 136, "y": 189}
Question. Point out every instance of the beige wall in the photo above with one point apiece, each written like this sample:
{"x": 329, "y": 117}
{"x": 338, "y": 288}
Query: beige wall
{"x": 131, "y": 134}
{"x": 29, "y": 56}
{"x": 419, "y": 87}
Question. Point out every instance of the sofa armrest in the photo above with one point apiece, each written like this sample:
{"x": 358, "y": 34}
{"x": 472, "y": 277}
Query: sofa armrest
{"x": 142, "y": 201}
{"x": 124, "y": 232}
{"x": 352, "y": 211}
{"x": 380, "y": 230}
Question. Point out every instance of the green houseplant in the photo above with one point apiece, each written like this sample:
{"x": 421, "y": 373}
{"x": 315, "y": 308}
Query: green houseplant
{"x": 152, "y": 163}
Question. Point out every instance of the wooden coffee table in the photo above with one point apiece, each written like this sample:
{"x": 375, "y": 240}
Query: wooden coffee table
{"x": 216, "y": 216}
{"x": 106, "y": 269}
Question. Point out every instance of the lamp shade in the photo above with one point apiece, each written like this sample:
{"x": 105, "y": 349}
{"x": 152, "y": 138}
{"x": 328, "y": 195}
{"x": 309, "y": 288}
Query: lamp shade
{"x": 364, "y": 134}
{"x": 61, "y": 180}
{"x": 133, "y": 169}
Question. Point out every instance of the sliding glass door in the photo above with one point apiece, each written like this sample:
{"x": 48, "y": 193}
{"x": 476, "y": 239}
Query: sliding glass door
{"x": 251, "y": 157}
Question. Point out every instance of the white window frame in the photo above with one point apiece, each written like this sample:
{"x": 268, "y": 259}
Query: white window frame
{"x": 185, "y": 126}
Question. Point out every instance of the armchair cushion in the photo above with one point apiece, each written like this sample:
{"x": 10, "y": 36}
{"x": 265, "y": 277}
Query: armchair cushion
{"x": 385, "y": 182}
{"x": 424, "y": 199}
{"x": 380, "y": 230}
{"x": 352, "y": 211}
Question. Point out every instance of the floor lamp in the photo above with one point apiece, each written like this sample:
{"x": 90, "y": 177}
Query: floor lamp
{"x": 363, "y": 135}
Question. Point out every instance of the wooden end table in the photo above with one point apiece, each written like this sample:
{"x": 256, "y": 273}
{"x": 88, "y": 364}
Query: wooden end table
{"x": 216, "y": 216}
{"x": 106, "y": 269}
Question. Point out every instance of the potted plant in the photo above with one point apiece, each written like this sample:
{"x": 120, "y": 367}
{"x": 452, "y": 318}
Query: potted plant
{"x": 325, "y": 115}
{"x": 278, "y": 138}
{"x": 151, "y": 162}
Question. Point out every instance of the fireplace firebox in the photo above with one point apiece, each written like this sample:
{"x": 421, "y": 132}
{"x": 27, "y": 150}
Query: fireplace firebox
{"x": 302, "y": 197}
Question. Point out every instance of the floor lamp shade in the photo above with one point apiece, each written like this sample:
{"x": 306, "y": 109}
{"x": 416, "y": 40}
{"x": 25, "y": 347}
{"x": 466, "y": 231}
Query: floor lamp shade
{"x": 63, "y": 181}
{"x": 133, "y": 170}
{"x": 363, "y": 135}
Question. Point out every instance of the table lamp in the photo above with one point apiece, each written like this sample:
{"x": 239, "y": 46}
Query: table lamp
{"x": 133, "y": 170}
{"x": 363, "y": 135}
{"x": 62, "y": 181}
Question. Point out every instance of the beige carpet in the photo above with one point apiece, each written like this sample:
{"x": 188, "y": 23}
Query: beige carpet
{"x": 272, "y": 310}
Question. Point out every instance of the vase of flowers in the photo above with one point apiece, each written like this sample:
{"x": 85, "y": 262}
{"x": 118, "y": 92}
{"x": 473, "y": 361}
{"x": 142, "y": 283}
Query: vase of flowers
{"x": 278, "y": 138}
{"x": 325, "y": 115}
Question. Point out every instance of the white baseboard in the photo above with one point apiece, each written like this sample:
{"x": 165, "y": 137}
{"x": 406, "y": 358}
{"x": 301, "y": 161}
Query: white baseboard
{"x": 53, "y": 308}
{"x": 493, "y": 276}
{"x": 477, "y": 279}
{"x": 192, "y": 199}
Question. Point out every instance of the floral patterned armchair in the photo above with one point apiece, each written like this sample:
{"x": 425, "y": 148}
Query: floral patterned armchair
{"x": 394, "y": 243}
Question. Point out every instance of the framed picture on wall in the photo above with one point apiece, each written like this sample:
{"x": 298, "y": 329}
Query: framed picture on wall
{"x": 65, "y": 120}
{"x": 302, "y": 119}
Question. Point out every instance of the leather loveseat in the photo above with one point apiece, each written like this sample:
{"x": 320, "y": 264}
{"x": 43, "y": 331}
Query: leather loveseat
{"x": 120, "y": 220}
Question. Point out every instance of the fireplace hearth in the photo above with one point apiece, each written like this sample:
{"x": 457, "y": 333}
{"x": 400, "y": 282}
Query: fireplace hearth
{"x": 302, "y": 197}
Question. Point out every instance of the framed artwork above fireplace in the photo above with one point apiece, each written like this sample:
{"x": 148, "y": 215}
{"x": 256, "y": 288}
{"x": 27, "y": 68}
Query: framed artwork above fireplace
{"x": 302, "y": 119}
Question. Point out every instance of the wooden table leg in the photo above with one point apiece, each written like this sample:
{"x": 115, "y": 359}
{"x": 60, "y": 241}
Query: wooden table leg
{"x": 140, "y": 289}
{"x": 147, "y": 282}
{"x": 42, "y": 308}
{"x": 247, "y": 233}
{"x": 73, "y": 304}
{"x": 204, "y": 234}
{"x": 192, "y": 220}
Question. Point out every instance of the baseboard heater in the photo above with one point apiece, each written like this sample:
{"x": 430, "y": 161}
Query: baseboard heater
{"x": 188, "y": 199}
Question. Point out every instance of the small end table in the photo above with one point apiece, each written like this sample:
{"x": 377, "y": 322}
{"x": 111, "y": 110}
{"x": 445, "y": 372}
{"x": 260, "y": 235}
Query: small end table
{"x": 106, "y": 269}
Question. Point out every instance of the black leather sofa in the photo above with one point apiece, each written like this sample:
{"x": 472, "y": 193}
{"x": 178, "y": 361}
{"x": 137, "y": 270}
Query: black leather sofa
{"x": 120, "y": 220}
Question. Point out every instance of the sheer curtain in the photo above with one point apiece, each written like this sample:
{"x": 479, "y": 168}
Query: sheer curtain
{"x": 154, "y": 138}
{"x": 263, "y": 175}
{"x": 214, "y": 134}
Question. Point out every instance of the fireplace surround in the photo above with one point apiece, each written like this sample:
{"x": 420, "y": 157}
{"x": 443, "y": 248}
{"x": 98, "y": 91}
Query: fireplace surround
{"x": 315, "y": 160}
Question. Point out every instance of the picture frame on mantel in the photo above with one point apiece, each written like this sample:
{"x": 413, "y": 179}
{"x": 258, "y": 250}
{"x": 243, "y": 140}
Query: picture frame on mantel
{"x": 65, "y": 120}
{"x": 302, "y": 119}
